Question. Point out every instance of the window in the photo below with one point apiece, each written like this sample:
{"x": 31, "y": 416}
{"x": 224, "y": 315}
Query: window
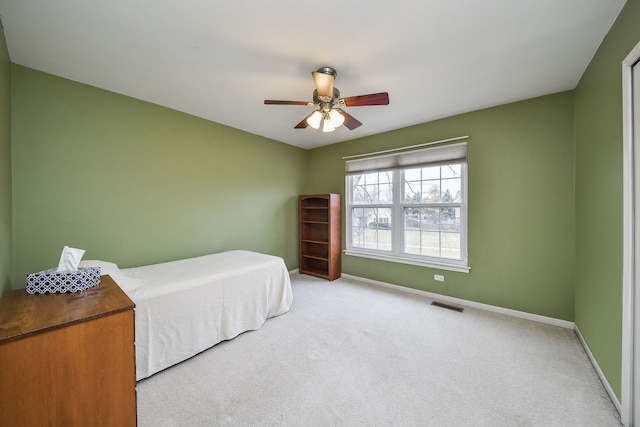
{"x": 410, "y": 207}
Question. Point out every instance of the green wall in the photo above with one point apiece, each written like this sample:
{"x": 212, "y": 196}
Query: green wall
{"x": 135, "y": 183}
{"x": 598, "y": 136}
{"x": 521, "y": 205}
{"x": 5, "y": 166}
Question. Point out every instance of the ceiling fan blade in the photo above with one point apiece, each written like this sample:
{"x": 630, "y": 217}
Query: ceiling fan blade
{"x": 349, "y": 121}
{"x": 274, "y": 102}
{"x": 381, "y": 98}
{"x": 303, "y": 124}
{"x": 324, "y": 83}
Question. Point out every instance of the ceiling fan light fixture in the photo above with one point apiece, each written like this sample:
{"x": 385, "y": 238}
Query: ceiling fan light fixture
{"x": 327, "y": 126}
{"x": 336, "y": 118}
{"x": 314, "y": 119}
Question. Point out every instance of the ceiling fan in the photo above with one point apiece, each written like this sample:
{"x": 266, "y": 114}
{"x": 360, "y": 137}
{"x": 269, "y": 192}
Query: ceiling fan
{"x": 330, "y": 114}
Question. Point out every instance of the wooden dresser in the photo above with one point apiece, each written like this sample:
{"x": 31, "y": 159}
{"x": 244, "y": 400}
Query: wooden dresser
{"x": 68, "y": 359}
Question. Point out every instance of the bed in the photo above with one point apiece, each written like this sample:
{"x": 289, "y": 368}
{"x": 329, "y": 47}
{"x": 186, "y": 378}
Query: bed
{"x": 185, "y": 307}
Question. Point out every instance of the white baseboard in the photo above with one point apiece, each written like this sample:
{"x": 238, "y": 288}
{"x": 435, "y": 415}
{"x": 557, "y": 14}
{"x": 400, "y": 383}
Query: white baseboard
{"x": 294, "y": 271}
{"x": 472, "y": 304}
{"x": 594, "y": 362}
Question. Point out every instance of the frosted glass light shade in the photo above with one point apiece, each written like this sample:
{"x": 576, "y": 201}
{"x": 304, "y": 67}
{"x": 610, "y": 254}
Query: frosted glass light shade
{"x": 327, "y": 126}
{"x": 337, "y": 119}
{"x": 314, "y": 119}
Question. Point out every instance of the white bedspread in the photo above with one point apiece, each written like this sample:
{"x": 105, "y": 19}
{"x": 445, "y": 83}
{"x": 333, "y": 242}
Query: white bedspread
{"x": 184, "y": 307}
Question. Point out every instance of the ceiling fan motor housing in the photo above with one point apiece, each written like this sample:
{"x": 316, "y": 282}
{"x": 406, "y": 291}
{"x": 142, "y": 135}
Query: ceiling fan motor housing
{"x": 318, "y": 99}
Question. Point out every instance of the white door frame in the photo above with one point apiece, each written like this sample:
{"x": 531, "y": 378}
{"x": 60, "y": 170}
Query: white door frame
{"x": 630, "y": 412}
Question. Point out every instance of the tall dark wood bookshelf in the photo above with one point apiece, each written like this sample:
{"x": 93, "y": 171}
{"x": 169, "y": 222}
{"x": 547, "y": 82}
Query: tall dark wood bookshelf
{"x": 320, "y": 235}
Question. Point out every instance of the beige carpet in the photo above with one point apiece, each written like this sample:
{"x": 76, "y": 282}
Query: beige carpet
{"x": 353, "y": 354}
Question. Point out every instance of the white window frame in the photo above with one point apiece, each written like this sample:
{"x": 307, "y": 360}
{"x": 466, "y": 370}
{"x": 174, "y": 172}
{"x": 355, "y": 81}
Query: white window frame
{"x": 435, "y": 156}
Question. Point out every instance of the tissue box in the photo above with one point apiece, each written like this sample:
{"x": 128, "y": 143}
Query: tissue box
{"x": 53, "y": 281}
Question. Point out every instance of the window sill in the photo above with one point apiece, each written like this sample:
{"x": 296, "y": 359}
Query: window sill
{"x": 431, "y": 264}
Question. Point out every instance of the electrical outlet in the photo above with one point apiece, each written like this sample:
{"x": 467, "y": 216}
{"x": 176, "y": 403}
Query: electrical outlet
{"x": 438, "y": 277}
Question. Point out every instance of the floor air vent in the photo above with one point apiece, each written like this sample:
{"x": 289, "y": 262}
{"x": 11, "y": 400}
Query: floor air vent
{"x": 447, "y": 306}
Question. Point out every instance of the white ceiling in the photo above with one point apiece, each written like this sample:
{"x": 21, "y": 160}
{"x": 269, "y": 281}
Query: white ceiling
{"x": 220, "y": 59}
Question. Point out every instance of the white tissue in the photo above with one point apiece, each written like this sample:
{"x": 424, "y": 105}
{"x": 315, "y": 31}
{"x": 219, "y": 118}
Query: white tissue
{"x": 70, "y": 259}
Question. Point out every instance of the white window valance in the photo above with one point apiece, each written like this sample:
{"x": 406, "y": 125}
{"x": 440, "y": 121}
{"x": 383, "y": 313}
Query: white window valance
{"x": 449, "y": 153}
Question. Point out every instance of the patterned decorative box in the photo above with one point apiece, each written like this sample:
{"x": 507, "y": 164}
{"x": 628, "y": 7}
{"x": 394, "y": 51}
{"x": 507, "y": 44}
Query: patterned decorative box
{"x": 53, "y": 281}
